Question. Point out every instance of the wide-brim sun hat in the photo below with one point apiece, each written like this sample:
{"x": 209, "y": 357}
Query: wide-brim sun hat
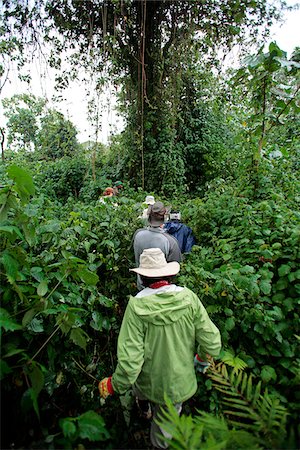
{"x": 150, "y": 200}
{"x": 153, "y": 264}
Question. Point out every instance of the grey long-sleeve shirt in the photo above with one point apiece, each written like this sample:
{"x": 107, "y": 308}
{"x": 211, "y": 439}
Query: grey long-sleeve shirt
{"x": 155, "y": 237}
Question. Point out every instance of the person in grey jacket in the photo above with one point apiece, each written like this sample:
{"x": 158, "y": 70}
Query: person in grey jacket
{"x": 154, "y": 236}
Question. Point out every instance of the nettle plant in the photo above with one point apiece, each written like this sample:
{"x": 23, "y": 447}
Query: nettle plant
{"x": 61, "y": 284}
{"x": 246, "y": 271}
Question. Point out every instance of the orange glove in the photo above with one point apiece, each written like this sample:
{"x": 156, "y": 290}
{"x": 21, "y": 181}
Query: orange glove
{"x": 200, "y": 365}
{"x": 105, "y": 387}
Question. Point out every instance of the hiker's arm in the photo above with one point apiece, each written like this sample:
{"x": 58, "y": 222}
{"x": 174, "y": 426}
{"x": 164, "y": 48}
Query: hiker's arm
{"x": 207, "y": 334}
{"x": 130, "y": 352}
{"x": 174, "y": 252}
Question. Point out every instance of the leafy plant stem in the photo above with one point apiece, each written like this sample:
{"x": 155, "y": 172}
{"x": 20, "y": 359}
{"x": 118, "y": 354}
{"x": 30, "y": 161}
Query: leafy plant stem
{"x": 83, "y": 370}
{"x": 283, "y": 109}
{"x": 56, "y": 286}
{"x": 45, "y": 343}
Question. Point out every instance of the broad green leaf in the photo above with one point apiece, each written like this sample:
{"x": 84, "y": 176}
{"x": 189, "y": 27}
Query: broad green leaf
{"x": 268, "y": 373}
{"x": 108, "y": 302}
{"x": 65, "y": 321}
{"x": 49, "y": 438}
{"x": 247, "y": 269}
{"x": 37, "y": 379}
{"x": 28, "y": 400}
{"x": 279, "y": 297}
{"x": 36, "y": 325}
{"x": 6, "y": 322}
{"x": 227, "y": 256}
{"x": 97, "y": 321}
{"x": 23, "y": 181}
{"x": 11, "y": 229}
{"x": 229, "y": 323}
{"x": 297, "y": 274}
{"x": 11, "y": 266}
{"x": 88, "y": 277}
{"x": 78, "y": 336}
{"x": 7, "y": 202}
{"x": 34, "y": 398}
{"x": 28, "y": 316}
{"x": 4, "y": 369}
{"x": 68, "y": 427}
{"x": 92, "y": 427}
{"x": 282, "y": 284}
{"x": 13, "y": 351}
{"x": 37, "y": 273}
{"x": 265, "y": 286}
{"x": 42, "y": 288}
{"x": 283, "y": 270}
{"x": 52, "y": 226}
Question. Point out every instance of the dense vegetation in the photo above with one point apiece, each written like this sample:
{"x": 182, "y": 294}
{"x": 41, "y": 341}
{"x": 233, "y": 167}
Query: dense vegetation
{"x": 224, "y": 149}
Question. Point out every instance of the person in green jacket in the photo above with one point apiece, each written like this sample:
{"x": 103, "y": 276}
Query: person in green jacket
{"x": 162, "y": 328}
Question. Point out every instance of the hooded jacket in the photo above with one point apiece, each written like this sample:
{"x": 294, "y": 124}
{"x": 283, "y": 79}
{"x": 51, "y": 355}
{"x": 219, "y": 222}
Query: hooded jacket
{"x": 182, "y": 233}
{"x": 157, "y": 342}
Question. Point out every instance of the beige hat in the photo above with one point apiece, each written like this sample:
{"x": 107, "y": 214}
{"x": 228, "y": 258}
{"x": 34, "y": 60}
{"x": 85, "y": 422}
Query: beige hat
{"x": 153, "y": 264}
{"x": 149, "y": 200}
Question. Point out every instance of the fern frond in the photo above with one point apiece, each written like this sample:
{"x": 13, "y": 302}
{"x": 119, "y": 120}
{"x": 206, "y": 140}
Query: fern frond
{"x": 204, "y": 431}
{"x": 257, "y": 411}
{"x": 233, "y": 361}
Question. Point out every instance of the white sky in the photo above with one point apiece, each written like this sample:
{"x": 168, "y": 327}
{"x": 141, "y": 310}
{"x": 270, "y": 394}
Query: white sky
{"x": 74, "y": 107}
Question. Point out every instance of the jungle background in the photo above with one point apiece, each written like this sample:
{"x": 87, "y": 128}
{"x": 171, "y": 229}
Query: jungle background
{"x": 220, "y": 146}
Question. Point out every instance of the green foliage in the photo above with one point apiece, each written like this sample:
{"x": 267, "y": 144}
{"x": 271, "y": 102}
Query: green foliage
{"x": 89, "y": 426}
{"x": 91, "y": 190}
{"x": 247, "y": 407}
{"x": 147, "y": 49}
{"x": 31, "y": 126}
{"x": 63, "y": 178}
{"x": 245, "y": 271}
{"x": 57, "y": 265}
{"x": 271, "y": 82}
{"x": 204, "y": 431}
{"x": 57, "y": 136}
{"x": 23, "y": 112}
{"x": 204, "y": 134}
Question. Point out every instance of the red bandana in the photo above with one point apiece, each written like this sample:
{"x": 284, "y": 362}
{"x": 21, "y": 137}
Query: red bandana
{"x": 159, "y": 284}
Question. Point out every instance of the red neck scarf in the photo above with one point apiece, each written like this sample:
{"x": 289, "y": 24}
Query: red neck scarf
{"x": 159, "y": 284}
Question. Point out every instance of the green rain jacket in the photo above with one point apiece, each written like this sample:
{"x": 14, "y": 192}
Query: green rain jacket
{"x": 157, "y": 344}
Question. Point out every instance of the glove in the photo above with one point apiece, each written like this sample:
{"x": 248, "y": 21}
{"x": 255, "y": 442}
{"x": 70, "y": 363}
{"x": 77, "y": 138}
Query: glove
{"x": 200, "y": 365}
{"x": 105, "y": 387}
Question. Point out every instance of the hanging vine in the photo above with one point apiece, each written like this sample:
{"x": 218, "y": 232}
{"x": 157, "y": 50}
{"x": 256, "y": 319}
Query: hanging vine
{"x": 142, "y": 93}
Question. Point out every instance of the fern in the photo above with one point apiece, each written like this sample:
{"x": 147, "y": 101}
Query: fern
{"x": 205, "y": 431}
{"x": 247, "y": 407}
{"x": 233, "y": 361}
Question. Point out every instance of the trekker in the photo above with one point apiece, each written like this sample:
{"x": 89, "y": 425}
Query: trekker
{"x": 108, "y": 192}
{"x": 180, "y": 231}
{"x": 149, "y": 201}
{"x": 162, "y": 327}
{"x": 155, "y": 236}
{"x": 118, "y": 187}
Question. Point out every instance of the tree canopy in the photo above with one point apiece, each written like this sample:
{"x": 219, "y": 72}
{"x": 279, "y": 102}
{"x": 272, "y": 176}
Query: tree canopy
{"x": 145, "y": 46}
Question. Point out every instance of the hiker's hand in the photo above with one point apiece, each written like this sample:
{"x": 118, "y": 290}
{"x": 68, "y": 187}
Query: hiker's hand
{"x": 105, "y": 387}
{"x": 200, "y": 365}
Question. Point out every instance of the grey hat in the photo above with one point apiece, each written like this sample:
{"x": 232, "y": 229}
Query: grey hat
{"x": 157, "y": 214}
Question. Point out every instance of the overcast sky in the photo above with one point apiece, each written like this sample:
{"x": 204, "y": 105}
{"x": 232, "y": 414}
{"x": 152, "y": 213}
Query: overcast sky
{"x": 287, "y": 37}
